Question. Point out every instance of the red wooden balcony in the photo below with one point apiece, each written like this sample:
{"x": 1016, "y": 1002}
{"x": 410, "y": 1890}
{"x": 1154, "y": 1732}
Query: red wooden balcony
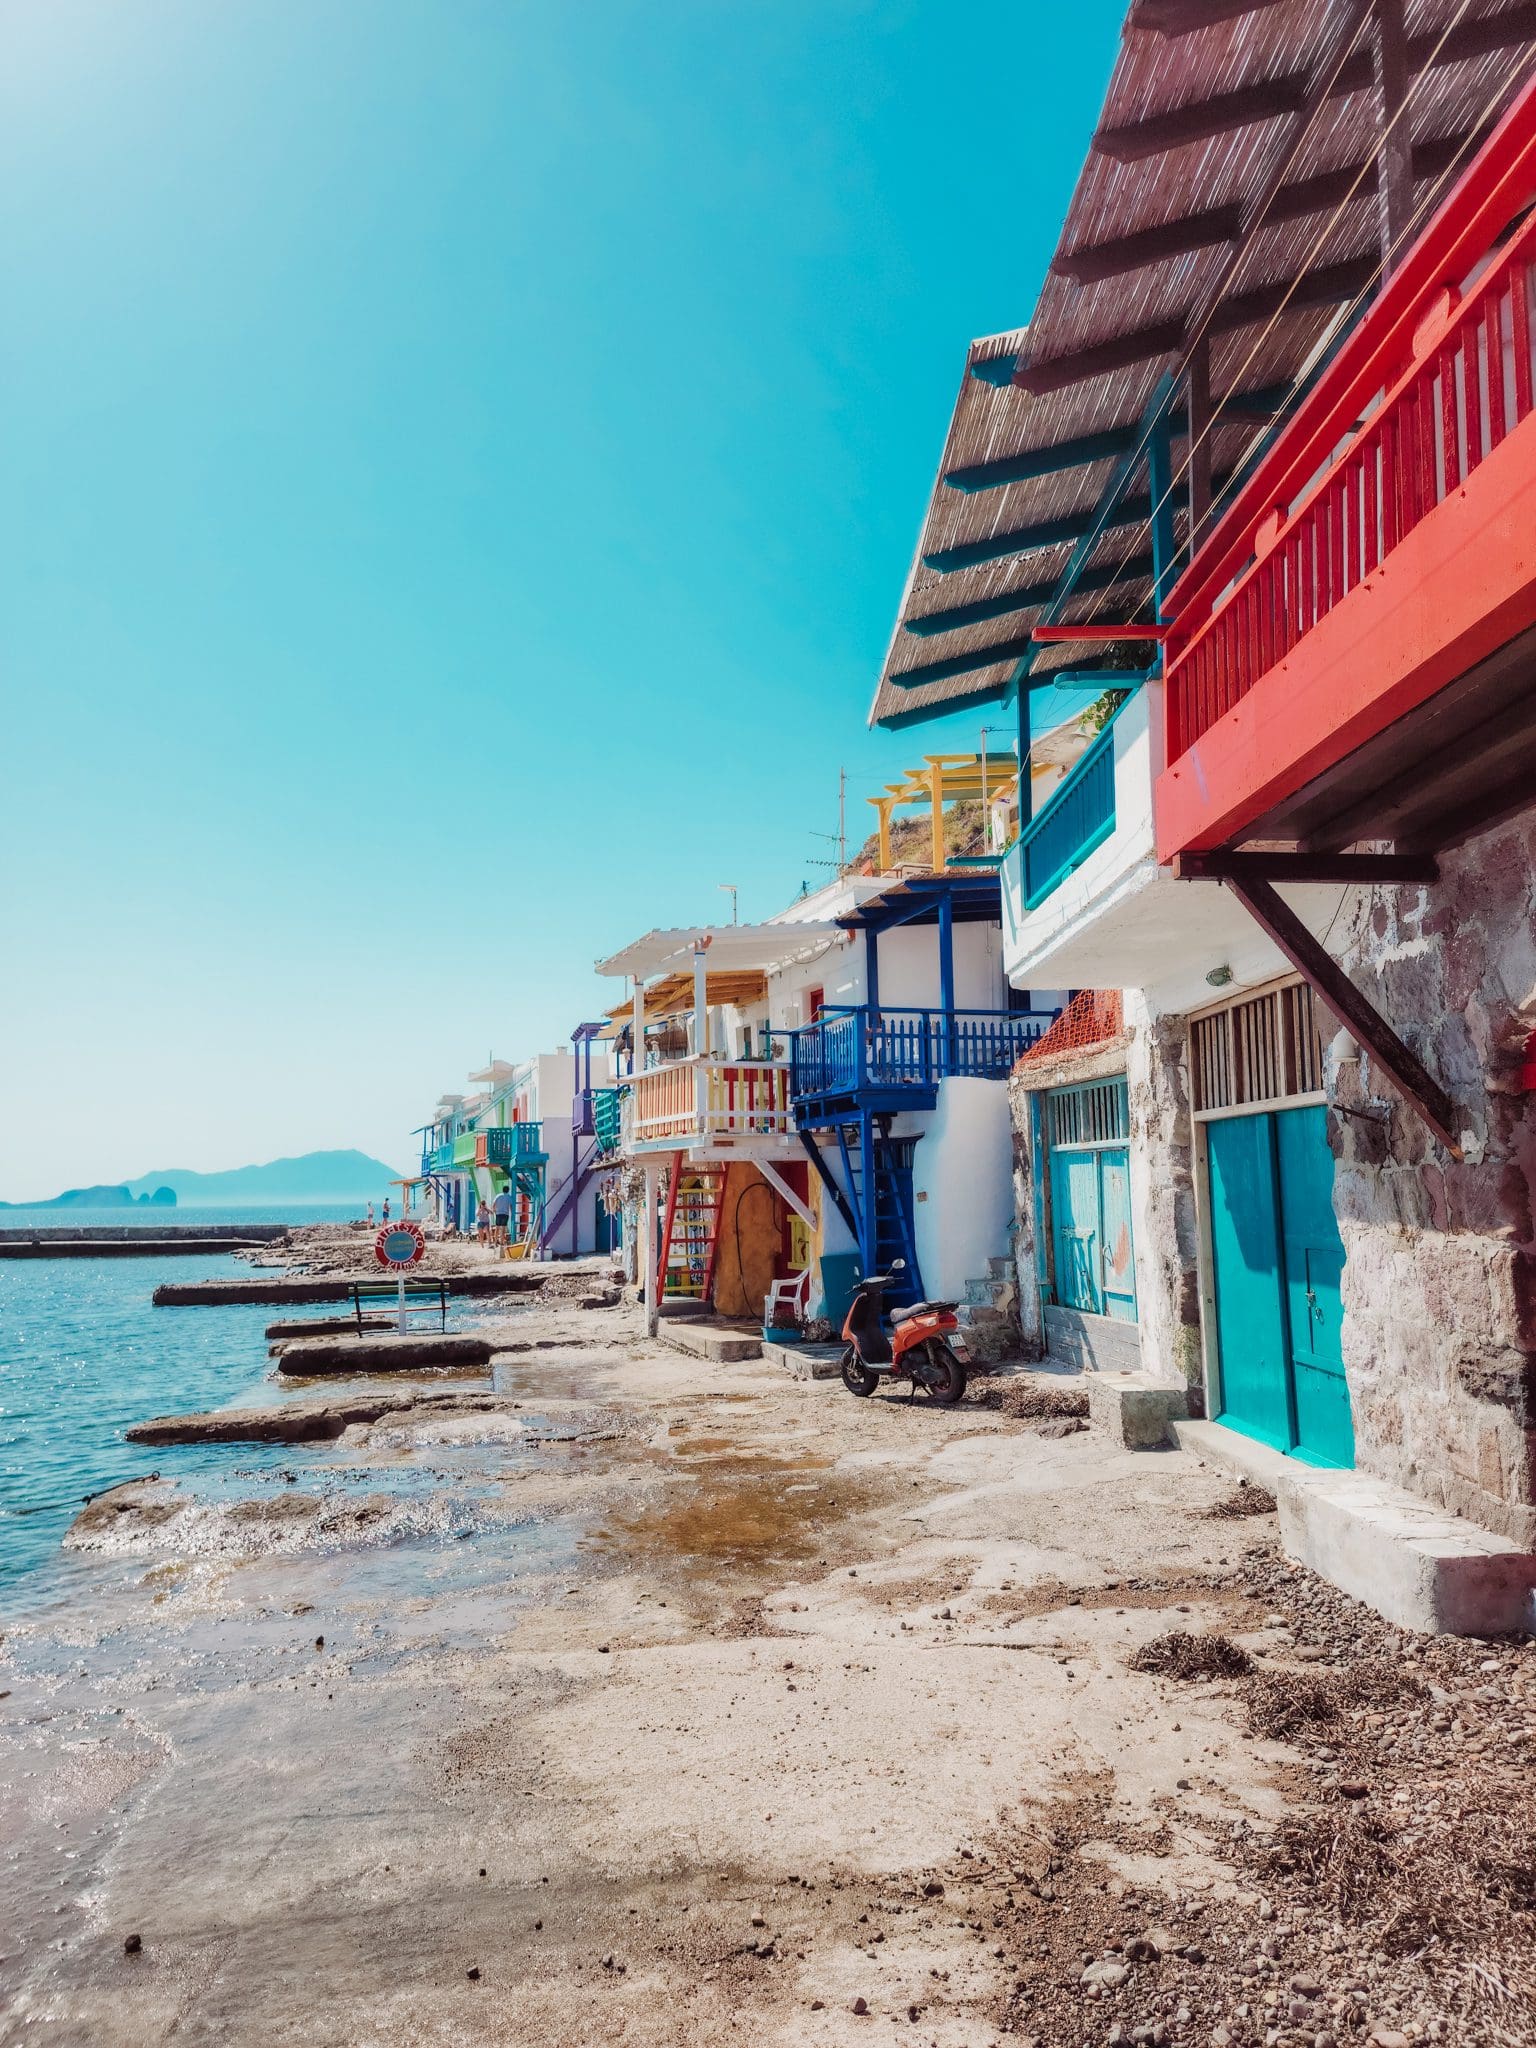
{"x": 1354, "y": 621}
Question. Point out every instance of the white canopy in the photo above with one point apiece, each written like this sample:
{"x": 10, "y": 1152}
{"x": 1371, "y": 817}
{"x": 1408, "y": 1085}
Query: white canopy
{"x": 497, "y": 1072}
{"x": 740, "y": 947}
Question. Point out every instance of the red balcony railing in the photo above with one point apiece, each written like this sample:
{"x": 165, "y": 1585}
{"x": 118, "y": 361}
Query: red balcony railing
{"x": 1430, "y": 434}
{"x": 1439, "y": 378}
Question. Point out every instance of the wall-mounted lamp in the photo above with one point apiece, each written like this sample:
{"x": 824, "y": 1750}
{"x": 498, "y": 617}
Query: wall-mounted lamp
{"x": 1219, "y": 977}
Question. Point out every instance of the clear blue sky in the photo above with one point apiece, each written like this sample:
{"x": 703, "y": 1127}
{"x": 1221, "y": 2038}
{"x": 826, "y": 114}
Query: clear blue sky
{"x": 461, "y": 462}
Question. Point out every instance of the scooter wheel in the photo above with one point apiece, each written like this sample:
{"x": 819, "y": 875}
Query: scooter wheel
{"x": 944, "y": 1377}
{"x": 857, "y": 1378}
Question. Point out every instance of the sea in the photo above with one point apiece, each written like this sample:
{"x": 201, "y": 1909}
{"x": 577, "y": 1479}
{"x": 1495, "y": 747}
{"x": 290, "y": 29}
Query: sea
{"x": 83, "y": 1353}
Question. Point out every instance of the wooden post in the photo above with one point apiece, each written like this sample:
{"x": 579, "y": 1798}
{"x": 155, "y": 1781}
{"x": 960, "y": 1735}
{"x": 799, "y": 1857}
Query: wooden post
{"x": 936, "y": 811}
{"x": 645, "y": 1251}
{"x": 637, "y": 1029}
{"x": 1394, "y": 143}
{"x": 701, "y": 1045}
{"x": 1160, "y": 485}
{"x": 947, "y": 980}
{"x": 1199, "y": 411}
{"x": 882, "y": 804}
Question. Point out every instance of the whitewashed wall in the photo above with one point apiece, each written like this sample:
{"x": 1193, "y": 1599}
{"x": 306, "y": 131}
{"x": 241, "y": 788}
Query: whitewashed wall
{"x": 962, "y": 1186}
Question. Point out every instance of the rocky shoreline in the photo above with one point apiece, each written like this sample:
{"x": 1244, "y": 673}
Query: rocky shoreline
{"x": 609, "y": 1694}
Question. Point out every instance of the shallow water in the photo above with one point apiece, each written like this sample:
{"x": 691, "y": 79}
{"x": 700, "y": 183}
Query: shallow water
{"x": 83, "y": 1353}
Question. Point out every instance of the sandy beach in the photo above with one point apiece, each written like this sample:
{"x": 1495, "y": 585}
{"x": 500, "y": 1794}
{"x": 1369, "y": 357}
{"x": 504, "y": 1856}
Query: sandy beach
{"x": 612, "y": 1695}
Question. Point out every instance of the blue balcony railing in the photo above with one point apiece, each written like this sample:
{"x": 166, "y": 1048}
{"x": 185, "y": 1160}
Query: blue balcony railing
{"x": 439, "y": 1159}
{"x": 1079, "y": 817}
{"x": 508, "y": 1145}
{"x": 607, "y": 1120}
{"x": 848, "y": 1051}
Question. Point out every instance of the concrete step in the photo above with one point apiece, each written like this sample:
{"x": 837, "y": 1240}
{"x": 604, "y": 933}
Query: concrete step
{"x": 1418, "y": 1564}
{"x": 973, "y": 1315}
{"x": 985, "y": 1292}
{"x": 726, "y": 1347}
{"x": 1001, "y": 1269}
{"x": 805, "y": 1361}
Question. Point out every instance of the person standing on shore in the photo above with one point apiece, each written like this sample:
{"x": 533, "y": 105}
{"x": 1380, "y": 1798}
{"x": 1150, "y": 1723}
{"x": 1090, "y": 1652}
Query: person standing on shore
{"x": 503, "y": 1212}
{"x": 370, "y": 1215}
{"x": 386, "y": 1208}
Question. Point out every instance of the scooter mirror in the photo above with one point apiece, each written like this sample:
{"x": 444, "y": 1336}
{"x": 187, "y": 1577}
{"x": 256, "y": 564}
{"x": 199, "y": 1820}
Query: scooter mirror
{"x": 898, "y": 1265}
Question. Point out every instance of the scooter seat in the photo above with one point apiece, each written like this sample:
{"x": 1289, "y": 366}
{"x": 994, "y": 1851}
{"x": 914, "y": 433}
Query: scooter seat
{"x": 923, "y": 1308}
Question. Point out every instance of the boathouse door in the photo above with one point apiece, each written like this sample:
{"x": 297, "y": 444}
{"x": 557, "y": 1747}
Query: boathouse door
{"x": 1275, "y": 1257}
{"x": 1087, "y": 1131}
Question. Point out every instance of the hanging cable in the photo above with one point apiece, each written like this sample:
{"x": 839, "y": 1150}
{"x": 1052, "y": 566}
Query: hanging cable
{"x": 1430, "y": 200}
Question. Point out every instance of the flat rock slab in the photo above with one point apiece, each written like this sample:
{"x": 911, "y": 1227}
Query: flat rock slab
{"x": 301, "y": 1421}
{"x": 330, "y": 1287}
{"x": 308, "y": 1359}
{"x": 326, "y": 1326}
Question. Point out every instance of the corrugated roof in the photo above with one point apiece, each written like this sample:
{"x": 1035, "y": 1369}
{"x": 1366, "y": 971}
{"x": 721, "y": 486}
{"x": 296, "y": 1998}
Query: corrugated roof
{"x": 1191, "y": 133}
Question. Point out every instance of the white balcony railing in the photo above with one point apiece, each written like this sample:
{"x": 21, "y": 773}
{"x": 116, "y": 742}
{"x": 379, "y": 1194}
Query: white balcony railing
{"x": 702, "y": 1101}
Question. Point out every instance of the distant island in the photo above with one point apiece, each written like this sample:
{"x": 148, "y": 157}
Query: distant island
{"x": 334, "y": 1177}
{"x": 102, "y": 1198}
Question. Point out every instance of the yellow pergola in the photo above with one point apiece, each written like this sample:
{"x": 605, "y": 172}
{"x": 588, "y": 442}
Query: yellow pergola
{"x": 944, "y": 779}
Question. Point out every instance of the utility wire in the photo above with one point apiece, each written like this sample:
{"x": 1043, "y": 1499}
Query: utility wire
{"x": 1430, "y": 199}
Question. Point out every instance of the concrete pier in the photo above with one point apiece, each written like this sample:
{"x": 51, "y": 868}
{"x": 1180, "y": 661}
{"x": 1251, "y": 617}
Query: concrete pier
{"x": 302, "y": 1287}
{"x": 313, "y": 1357}
{"x": 135, "y": 1241}
{"x": 325, "y": 1326}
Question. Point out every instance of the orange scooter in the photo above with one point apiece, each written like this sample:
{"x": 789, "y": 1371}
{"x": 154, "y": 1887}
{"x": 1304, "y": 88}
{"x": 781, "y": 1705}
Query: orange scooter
{"x": 915, "y": 1348}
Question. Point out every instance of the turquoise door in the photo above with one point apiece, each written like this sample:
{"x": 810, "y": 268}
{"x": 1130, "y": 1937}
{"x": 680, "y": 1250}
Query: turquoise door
{"x": 1278, "y": 1261}
{"x": 1075, "y": 1228}
{"x": 1091, "y": 1232}
{"x": 1119, "y": 1270}
{"x": 1313, "y": 1255}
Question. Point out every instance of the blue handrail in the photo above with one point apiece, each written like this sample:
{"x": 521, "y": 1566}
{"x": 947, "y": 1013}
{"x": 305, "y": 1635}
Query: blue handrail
{"x": 848, "y": 1050}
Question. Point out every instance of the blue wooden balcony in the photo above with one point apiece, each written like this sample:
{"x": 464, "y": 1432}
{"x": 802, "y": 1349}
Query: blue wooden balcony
{"x": 510, "y": 1145}
{"x": 1079, "y": 817}
{"x": 438, "y": 1159}
{"x": 883, "y": 1059}
{"x": 607, "y": 1121}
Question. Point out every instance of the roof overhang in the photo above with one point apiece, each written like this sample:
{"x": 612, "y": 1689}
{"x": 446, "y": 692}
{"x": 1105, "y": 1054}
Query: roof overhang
{"x": 763, "y": 947}
{"x": 974, "y": 898}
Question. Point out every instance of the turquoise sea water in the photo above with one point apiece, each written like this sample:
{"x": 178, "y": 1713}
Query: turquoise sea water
{"x": 83, "y": 1353}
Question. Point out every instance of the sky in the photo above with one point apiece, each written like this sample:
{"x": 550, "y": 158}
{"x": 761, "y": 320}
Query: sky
{"x": 462, "y": 460}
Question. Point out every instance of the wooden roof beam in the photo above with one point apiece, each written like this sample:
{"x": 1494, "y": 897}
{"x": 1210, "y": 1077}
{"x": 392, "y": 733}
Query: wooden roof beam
{"x": 1187, "y": 17}
{"x": 1085, "y": 449}
{"x": 1023, "y": 599}
{"x": 1220, "y": 224}
{"x": 1332, "y": 284}
{"x": 1251, "y": 104}
{"x": 1044, "y": 533}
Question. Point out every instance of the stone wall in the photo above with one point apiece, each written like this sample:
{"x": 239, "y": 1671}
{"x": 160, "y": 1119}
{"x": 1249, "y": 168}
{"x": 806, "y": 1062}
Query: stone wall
{"x": 1440, "y": 1276}
{"x": 1163, "y": 1199}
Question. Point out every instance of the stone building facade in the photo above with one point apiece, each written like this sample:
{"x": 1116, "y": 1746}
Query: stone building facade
{"x": 1440, "y": 1277}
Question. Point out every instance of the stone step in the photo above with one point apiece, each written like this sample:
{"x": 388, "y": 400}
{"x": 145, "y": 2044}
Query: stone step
{"x": 972, "y": 1315}
{"x": 1001, "y": 1269}
{"x": 985, "y": 1292}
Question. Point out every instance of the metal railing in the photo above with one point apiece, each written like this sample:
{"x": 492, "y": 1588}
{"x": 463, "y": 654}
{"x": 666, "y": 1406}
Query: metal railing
{"x": 1469, "y": 385}
{"x": 690, "y": 1101}
{"x": 849, "y": 1050}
